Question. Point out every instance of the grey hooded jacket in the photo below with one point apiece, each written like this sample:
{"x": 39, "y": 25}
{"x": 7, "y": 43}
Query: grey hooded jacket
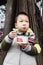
{"x": 16, "y": 55}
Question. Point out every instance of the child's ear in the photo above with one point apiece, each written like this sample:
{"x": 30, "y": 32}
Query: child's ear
{"x": 15, "y": 25}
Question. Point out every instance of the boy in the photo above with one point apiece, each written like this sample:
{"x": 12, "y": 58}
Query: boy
{"x": 20, "y": 54}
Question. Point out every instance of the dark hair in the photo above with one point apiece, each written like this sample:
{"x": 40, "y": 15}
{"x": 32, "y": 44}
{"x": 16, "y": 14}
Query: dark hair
{"x": 20, "y": 14}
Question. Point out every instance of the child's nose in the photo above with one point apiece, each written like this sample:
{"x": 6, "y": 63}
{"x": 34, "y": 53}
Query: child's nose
{"x": 24, "y": 23}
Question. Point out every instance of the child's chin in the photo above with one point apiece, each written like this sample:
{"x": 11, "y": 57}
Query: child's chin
{"x": 23, "y": 30}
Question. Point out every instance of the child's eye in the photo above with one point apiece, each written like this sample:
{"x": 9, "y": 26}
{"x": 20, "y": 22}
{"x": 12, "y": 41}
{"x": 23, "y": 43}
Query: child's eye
{"x": 26, "y": 21}
{"x": 21, "y": 21}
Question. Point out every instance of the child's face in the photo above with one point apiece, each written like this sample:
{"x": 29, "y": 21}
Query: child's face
{"x": 22, "y": 23}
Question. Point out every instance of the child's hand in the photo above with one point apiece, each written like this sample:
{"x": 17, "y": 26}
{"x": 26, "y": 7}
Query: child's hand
{"x": 23, "y": 45}
{"x": 12, "y": 34}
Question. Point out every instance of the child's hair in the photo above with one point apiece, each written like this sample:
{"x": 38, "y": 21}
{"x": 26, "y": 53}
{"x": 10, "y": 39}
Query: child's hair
{"x": 20, "y": 14}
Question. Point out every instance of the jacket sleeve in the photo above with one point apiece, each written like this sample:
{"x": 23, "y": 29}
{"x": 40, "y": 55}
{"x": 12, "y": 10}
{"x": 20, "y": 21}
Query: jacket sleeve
{"x": 32, "y": 49}
{"x": 5, "y": 46}
{"x": 36, "y": 49}
{"x": 6, "y": 43}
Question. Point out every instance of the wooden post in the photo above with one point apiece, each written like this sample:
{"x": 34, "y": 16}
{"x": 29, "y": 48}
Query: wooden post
{"x": 33, "y": 23}
{"x": 9, "y": 17}
{"x": 22, "y": 6}
{"x": 8, "y": 26}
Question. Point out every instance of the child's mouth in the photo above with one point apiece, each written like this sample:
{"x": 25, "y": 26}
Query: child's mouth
{"x": 24, "y": 28}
